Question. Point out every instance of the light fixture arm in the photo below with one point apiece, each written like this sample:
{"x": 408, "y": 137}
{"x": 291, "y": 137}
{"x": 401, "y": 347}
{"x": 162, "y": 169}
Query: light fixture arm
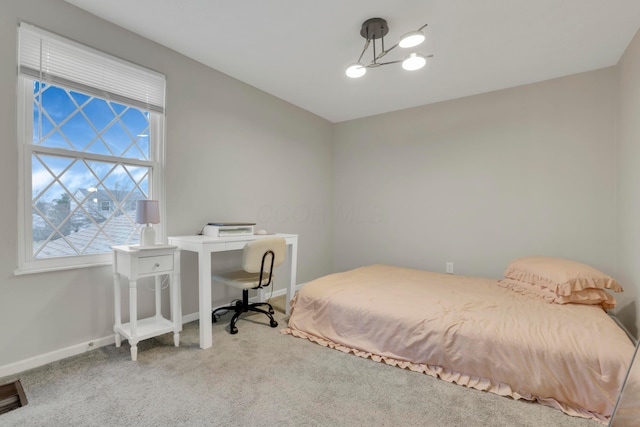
{"x": 384, "y": 52}
{"x": 379, "y": 64}
{"x": 364, "y": 49}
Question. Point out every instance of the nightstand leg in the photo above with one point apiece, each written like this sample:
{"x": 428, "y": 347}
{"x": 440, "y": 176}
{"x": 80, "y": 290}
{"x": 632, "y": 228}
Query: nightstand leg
{"x": 134, "y": 352}
{"x": 176, "y": 339}
{"x": 133, "y": 321}
{"x": 116, "y": 306}
{"x": 158, "y": 280}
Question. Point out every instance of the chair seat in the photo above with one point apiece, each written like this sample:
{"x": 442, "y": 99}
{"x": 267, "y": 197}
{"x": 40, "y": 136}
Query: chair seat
{"x": 241, "y": 279}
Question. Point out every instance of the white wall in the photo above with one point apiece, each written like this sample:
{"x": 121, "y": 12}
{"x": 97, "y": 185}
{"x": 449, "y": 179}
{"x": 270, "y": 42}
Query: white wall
{"x": 481, "y": 180}
{"x": 628, "y": 181}
{"x": 233, "y": 153}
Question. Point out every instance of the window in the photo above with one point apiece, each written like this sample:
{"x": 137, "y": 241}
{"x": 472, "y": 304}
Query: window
{"x": 91, "y": 145}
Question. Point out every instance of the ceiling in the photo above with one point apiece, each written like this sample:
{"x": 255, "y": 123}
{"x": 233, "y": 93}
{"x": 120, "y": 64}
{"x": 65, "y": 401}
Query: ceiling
{"x": 298, "y": 50}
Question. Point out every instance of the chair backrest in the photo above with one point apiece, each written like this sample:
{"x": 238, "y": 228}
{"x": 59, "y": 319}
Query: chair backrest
{"x": 255, "y": 250}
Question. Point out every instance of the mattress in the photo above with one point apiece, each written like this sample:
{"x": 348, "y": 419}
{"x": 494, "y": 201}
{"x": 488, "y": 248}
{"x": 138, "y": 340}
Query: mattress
{"x": 470, "y": 331}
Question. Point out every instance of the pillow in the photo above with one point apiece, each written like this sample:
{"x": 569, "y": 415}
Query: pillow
{"x": 562, "y": 276}
{"x": 589, "y": 296}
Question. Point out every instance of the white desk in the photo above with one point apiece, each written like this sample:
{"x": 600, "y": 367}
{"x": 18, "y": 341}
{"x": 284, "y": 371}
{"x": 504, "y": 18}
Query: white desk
{"x": 205, "y": 246}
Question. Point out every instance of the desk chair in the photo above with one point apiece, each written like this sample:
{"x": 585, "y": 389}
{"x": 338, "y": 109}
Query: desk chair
{"x": 259, "y": 257}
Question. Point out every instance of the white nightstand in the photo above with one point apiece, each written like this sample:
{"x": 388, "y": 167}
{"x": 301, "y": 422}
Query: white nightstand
{"x": 137, "y": 262}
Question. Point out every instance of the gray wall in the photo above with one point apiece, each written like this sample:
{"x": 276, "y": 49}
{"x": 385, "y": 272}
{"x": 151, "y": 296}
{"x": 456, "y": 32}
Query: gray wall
{"x": 476, "y": 181}
{"x": 233, "y": 153}
{"x": 481, "y": 180}
{"x": 628, "y": 175}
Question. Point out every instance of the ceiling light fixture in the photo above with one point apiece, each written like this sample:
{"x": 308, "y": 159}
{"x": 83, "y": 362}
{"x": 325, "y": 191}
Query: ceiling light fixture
{"x": 377, "y": 28}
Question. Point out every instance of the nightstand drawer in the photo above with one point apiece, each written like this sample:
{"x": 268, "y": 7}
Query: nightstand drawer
{"x": 155, "y": 264}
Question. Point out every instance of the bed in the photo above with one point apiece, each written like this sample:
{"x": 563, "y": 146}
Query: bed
{"x": 549, "y": 340}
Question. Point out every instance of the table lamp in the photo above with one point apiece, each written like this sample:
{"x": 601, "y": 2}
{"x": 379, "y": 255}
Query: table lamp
{"x": 147, "y": 212}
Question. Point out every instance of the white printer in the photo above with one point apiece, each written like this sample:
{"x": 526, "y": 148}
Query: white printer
{"x": 228, "y": 229}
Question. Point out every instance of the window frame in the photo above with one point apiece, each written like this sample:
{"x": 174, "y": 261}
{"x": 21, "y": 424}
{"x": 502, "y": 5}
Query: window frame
{"x": 27, "y": 263}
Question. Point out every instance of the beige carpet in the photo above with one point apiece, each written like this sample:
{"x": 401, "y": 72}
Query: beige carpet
{"x": 278, "y": 303}
{"x": 255, "y": 378}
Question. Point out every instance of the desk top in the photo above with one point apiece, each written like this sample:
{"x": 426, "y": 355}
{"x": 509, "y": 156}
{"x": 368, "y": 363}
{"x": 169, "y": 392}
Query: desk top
{"x": 202, "y": 239}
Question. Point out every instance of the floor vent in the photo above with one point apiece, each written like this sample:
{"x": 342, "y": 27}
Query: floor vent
{"x": 11, "y": 396}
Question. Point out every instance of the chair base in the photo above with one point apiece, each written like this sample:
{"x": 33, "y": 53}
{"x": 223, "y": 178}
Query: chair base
{"x": 244, "y": 307}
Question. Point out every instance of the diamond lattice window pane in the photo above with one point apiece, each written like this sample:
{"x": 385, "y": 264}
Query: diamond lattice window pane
{"x": 57, "y": 103}
{"x": 118, "y": 108}
{"x": 100, "y": 169}
{"x": 99, "y": 113}
{"x": 59, "y": 213}
{"x": 117, "y": 139}
{"x": 41, "y": 228}
{"x": 137, "y": 122}
{"x": 41, "y": 177}
{"x": 79, "y": 132}
{"x": 54, "y": 140}
{"x": 80, "y": 220}
{"x": 82, "y": 206}
{"x": 79, "y": 98}
{"x": 42, "y": 126}
{"x": 98, "y": 147}
{"x": 55, "y": 248}
{"x": 119, "y": 180}
{"x": 134, "y": 152}
{"x": 140, "y": 176}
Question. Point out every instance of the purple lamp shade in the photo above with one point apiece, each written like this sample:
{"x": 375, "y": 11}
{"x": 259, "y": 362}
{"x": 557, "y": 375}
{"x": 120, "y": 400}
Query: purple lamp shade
{"x": 147, "y": 212}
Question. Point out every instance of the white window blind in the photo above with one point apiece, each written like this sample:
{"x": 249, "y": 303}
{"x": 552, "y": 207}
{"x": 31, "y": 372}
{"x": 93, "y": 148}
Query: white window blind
{"x": 49, "y": 58}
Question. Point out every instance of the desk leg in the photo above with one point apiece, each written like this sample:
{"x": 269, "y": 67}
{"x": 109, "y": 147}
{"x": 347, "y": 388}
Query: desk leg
{"x": 175, "y": 316}
{"x": 204, "y": 286}
{"x": 291, "y": 289}
{"x": 133, "y": 314}
{"x": 175, "y": 300}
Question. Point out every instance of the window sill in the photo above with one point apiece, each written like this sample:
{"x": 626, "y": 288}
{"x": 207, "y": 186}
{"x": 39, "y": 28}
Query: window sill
{"x": 25, "y": 270}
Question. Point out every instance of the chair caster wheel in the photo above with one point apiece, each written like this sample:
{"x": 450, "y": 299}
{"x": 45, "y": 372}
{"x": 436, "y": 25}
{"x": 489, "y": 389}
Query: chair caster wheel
{"x": 234, "y": 330}
{"x": 273, "y": 323}
{"x": 213, "y": 318}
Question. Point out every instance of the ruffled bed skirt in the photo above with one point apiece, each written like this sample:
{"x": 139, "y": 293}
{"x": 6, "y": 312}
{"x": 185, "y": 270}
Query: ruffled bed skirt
{"x": 483, "y": 384}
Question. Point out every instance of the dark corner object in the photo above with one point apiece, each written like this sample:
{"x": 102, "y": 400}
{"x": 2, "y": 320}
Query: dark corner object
{"x": 626, "y": 413}
{"x": 11, "y": 396}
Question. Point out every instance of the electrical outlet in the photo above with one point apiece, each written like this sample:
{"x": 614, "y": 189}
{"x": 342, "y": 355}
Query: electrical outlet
{"x": 450, "y": 267}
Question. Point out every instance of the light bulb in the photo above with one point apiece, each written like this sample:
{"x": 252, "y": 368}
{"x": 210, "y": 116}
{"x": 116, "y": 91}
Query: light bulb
{"x": 356, "y": 70}
{"x": 415, "y": 61}
{"x": 411, "y": 39}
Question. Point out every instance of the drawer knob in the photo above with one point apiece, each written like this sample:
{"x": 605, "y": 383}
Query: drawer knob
{"x": 157, "y": 264}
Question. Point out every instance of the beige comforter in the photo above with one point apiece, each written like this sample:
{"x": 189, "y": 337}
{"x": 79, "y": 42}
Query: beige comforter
{"x": 470, "y": 331}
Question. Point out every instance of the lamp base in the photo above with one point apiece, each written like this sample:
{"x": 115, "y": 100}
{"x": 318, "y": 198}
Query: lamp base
{"x": 148, "y": 236}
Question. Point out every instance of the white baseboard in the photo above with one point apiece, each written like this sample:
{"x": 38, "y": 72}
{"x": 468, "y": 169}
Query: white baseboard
{"x": 54, "y": 356}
